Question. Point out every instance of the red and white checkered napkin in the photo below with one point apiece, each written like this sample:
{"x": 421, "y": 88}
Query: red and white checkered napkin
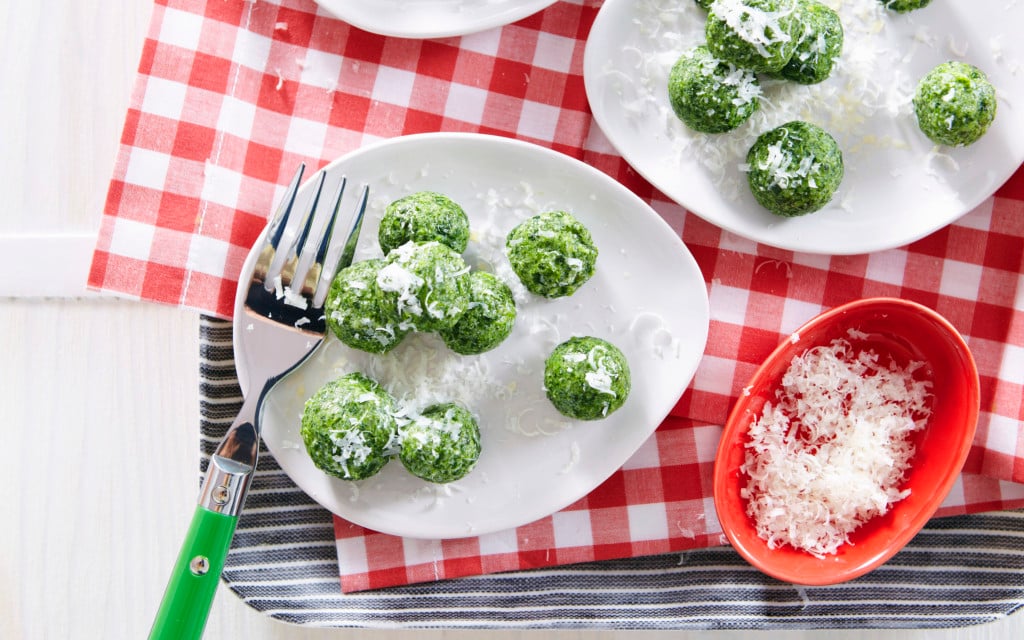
{"x": 233, "y": 94}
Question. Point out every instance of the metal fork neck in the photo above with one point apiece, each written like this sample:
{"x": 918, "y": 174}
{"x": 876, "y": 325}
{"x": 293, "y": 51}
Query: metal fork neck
{"x": 232, "y": 465}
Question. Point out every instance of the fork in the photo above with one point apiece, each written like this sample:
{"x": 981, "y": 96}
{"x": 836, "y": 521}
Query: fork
{"x": 283, "y": 310}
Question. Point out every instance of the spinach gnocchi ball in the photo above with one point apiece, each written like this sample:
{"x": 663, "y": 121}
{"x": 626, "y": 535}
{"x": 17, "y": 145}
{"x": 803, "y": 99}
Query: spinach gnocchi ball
{"x": 955, "y": 103}
{"x": 488, "y": 320}
{"x": 425, "y": 284}
{"x": 422, "y": 217}
{"x": 357, "y": 310}
{"x": 819, "y": 43}
{"x": 586, "y": 378}
{"x": 552, "y": 253}
{"x": 759, "y": 35}
{"x": 709, "y": 95}
{"x": 903, "y": 6}
{"x": 349, "y": 428}
{"x": 442, "y": 444}
{"x": 794, "y": 169}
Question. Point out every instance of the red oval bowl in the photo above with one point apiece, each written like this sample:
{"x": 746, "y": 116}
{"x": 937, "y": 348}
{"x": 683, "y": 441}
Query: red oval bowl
{"x": 906, "y": 330}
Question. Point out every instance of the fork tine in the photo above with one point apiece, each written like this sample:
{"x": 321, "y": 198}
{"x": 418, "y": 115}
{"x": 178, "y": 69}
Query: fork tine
{"x": 310, "y": 261}
{"x": 282, "y": 267}
{"x": 340, "y": 257}
{"x": 352, "y": 239}
{"x": 276, "y": 227}
{"x": 325, "y": 239}
{"x": 315, "y": 263}
{"x": 284, "y": 209}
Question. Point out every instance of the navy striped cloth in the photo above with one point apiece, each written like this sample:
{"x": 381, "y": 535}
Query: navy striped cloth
{"x": 958, "y": 571}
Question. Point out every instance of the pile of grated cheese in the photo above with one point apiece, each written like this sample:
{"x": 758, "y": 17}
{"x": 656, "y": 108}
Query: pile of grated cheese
{"x": 832, "y": 452}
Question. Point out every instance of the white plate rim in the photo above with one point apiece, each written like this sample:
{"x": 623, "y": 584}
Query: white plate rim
{"x": 699, "y": 309}
{"x": 444, "y": 23}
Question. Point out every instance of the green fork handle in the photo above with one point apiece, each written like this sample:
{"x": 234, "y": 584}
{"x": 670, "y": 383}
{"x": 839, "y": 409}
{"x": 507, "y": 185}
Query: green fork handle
{"x": 193, "y": 583}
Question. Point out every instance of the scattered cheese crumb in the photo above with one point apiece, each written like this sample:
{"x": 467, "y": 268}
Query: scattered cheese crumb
{"x": 574, "y": 457}
{"x": 958, "y": 49}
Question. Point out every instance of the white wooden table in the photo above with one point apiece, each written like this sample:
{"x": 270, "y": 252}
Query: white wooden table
{"x": 99, "y": 397}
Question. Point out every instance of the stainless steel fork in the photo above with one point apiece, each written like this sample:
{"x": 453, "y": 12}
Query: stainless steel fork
{"x": 283, "y": 324}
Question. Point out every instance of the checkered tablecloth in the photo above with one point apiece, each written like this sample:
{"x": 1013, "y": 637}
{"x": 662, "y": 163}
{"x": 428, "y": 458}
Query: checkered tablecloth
{"x": 233, "y": 94}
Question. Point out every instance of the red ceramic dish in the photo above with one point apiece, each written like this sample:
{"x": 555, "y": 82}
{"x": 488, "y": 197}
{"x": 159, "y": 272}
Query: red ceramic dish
{"x": 907, "y": 331}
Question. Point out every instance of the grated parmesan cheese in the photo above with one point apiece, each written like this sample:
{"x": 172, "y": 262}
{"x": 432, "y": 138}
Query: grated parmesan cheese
{"x": 352, "y": 447}
{"x": 394, "y": 278}
{"x": 420, "y": 372}
{"x": 832, "y": 452}
{"x": 758, "y": 27}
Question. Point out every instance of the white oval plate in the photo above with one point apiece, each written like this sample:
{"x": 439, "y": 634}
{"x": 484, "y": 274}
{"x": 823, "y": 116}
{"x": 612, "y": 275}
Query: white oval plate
{"x": 647, "y": 296}
{"x": 898, "y": 187}
{"x": 431, "y": 18}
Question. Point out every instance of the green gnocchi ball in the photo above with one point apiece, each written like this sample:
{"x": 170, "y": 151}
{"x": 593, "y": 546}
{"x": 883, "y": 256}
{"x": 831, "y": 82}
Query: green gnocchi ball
{"x": 426, "y": 285}
{"x": 488, "y": 320}
{"x": 759, "y": 35}
{"x": 955, "y": 103}
{"x": 358, "y": 313}
{"x": 586, "y": 378}
{"x": 794, "y": 169}
{"x": 818, "y": 46}
{"x": 552, "y": 253}
{"x": 348, "y": 427}
{"x": 710, "y": 95}
{"x": 903, "y": 6}
{"x": 422, "y": 217}
{"x": 442, "y": 444}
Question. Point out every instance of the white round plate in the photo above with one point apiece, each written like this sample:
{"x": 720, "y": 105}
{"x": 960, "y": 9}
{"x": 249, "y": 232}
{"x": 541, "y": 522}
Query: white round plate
{"x": 647, "y": 296}
{"x": 898, "y": 186}
{"x": 431, "y": 18}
